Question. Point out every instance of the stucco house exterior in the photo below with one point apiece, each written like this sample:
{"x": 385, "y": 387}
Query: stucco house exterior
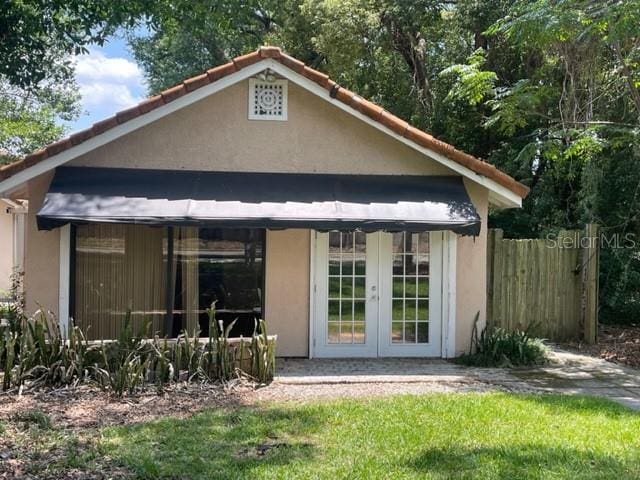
{"x": 266, "y": 187}
{"x": 12, "y": 222}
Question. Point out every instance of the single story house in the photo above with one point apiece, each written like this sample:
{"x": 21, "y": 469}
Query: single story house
{"x": 266, "y": 187}
{"x": 12, "y": 222}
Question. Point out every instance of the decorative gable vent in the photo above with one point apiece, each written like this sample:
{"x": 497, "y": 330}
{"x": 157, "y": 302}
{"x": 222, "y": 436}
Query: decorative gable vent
{"x": 267, "y": 98}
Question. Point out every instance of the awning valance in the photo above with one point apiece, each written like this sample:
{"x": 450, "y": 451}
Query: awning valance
{"x": 261, "y": 200}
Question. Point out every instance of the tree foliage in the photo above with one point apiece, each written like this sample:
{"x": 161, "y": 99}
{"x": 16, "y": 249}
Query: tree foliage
{"x": 38, "y": 37}
{"x": 547, "y": 90}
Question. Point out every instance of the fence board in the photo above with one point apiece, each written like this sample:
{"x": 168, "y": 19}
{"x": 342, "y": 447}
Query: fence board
{"x": 549, "y": 287}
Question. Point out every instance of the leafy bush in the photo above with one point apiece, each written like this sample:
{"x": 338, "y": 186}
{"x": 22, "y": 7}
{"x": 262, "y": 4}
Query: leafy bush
{"x": 33, "y": 353}
{"x": 497, "y": 347}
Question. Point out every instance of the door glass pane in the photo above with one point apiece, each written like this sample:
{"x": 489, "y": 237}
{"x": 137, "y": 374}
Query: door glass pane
{"x": 347, "y": 284}
{"x": 410, "y": 288}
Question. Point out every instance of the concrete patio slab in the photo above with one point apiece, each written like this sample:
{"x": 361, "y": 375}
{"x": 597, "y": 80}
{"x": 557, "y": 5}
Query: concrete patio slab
{"x": 566, "y": 373}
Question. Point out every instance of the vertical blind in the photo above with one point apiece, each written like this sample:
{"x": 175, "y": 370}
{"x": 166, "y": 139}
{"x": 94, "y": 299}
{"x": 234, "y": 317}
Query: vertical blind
{"x": 119, "y": 268}
{"x": 122, "y": 268}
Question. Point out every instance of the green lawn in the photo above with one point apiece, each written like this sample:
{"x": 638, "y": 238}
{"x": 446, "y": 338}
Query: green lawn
{"x": 484, "y": 436}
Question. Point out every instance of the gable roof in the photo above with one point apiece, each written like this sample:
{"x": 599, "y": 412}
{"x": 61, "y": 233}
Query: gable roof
{"x": 382, "y": 118}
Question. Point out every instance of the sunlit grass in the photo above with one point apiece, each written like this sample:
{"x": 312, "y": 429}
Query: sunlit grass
{"x": 485, "y": 436}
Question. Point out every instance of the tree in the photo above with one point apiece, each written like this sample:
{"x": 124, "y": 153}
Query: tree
{"x": 29, "y": 118}
{"x": 38, "y": 38}
{"x": 189, "y": 37}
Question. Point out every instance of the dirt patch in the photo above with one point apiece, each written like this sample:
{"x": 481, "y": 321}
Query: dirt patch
{"x": 52, "y": 434}
{"x": 616, "y": 343}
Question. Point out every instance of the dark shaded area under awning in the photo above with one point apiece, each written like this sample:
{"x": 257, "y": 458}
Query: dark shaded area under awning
{"x": 258, "y": 200}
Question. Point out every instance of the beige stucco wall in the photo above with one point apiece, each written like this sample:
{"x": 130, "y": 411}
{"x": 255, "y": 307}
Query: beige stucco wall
{"x": 287, "y": 290}
{"x": 214, "y": 134}
{"x": 471, "y": 272}
{"x": 42, "y": 253}
{"x": 6, "y": 248}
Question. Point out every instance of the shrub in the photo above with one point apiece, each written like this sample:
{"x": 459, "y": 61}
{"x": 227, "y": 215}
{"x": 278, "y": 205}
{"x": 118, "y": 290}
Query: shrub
{"x": 497, "y": 347}
{"x": 33, "y": 353}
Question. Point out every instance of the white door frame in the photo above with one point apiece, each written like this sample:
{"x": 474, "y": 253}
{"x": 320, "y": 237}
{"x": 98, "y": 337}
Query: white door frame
{"x": 443, "y": 247}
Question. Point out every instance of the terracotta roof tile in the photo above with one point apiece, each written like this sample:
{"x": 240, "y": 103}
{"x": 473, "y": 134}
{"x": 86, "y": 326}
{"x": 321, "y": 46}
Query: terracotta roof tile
{"x": 151, "y": 103}
{"x": 128, "y": 114}
{"x": 196, "y": 82}
{"x": 104, "y": 125}
{"x": 173, "y": 93}
{"x": 292, "y": 63}
{"x": 35, "y": 157}
{"x": 316, "y": 76}
{"x": 81, "y": 136}
{"x": 221, "y": 71}
{"x": 270, "y": 52}
{"x": 59, "y": 146}
{"x": 341, "y": 94}
{"x": 370, "y": 109}
{"x": 245, "y": 60}
{"x": 393, "y": 123}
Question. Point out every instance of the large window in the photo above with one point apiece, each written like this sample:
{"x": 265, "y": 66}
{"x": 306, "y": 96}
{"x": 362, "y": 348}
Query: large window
{"x": 166, "y": 277}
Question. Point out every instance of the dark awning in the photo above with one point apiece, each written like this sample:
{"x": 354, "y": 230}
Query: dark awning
{"x": 265, "y": 200}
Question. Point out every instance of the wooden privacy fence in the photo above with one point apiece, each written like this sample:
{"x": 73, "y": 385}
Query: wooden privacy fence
{"x": 549, "y": 285}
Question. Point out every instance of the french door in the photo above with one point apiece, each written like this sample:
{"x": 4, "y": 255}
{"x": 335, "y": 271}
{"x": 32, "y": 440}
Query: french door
{"x": 377, "y": 294}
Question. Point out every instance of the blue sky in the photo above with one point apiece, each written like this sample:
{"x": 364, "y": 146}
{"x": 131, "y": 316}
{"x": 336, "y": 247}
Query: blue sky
{"x": 109, "y": 80}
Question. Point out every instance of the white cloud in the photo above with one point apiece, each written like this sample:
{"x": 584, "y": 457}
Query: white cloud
{"x": 108, "y": 84}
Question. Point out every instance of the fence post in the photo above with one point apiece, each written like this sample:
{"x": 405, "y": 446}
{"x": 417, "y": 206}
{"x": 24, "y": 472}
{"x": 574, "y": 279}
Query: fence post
{"x": 494, "y": 277}
{"x": 591, "y": 264}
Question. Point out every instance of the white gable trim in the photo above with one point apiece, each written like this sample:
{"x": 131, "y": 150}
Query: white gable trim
{"x": 498, "y": 194}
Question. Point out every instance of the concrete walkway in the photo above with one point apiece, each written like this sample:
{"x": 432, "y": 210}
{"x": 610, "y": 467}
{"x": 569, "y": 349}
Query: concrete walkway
{"x": 567, "y": 373}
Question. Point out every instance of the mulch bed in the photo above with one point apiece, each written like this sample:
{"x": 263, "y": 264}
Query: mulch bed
{"x": 616, "y": 343}
{"x": 75, "y": 415}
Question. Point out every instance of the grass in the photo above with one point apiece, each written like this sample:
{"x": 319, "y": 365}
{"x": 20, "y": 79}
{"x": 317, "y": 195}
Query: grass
{"x": 484, "y": 436}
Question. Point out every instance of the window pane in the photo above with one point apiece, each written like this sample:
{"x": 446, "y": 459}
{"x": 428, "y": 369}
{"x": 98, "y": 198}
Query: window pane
{"x": 398, "y": 264}
{"x": 359, "y": 289}
{"x": 358, "y": 311}
{"x": 347, "y": 309}
{"x": 231, "y": 274}
{"x": 333, "y": 332}
{"x": 398, "y": 310}
{"x": 347, "y": 264}
{"x": 423, "y": 309}
{"x": 409, "y": 332}
{"x": 361, "y": 264}
{"x": 398, "y": 287}
{"x": 334, "y": 287}
{"x": 423, "y": 287}
{"x": 334, "y": 311}
{"x": 410, "y": 309}
{"x": 358, "y": 332}
{"x": 396, "y": 332}
{"x": 347, "y": 287}
{"x": 398, "y": 242}
{"x": 346, "y": 332}
{"x": 410, "y": 287}
{"x": 334, "y": 265}
{"x": 423, "y": 265}
{"x": 423, "y": 332}
{"x": 119, "y": 268}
